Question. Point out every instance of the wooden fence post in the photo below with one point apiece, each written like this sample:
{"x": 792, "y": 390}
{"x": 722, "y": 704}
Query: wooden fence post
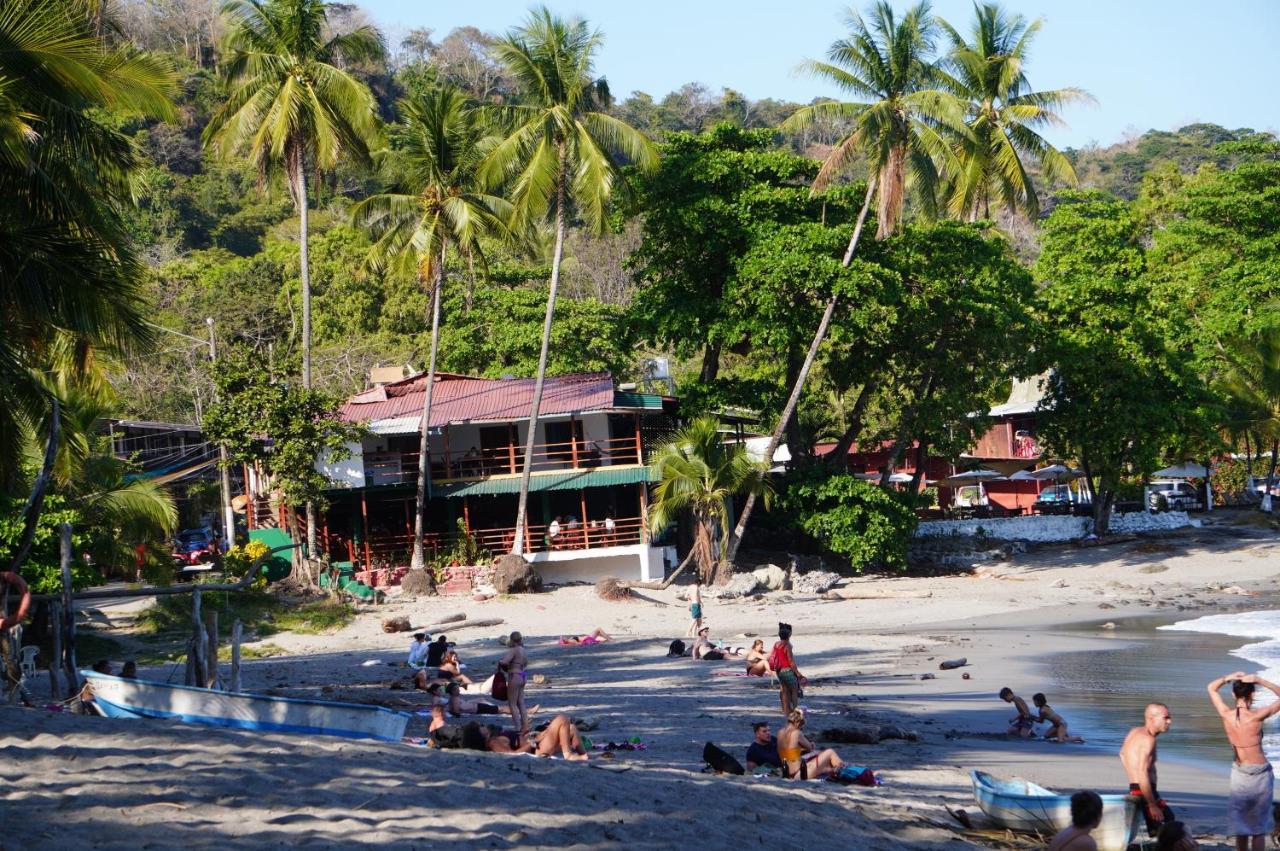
{"x": 211, "y": 658}
{"x": 235, "y": 655}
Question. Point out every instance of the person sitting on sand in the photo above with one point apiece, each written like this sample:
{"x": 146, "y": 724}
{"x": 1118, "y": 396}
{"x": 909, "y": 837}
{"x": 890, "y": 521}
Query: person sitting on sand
{"x": 1174, "y": 836}
{"x": 800, "y": 760}
{"x": 763, "y": 751}
{"x": 1058, "y": 727}
{"x": 418, "y": 650}
{"x": 1249, "y": 810}
{"x": 597, "y": 637}
{"x": 436, "y": 651}
{"x": 758, "y": 660}
{"x": 1023, "y": 724}
{"x": 450, "y": 695}
{"x": 451, "y": 667}
{"x": 1086, "y": 815}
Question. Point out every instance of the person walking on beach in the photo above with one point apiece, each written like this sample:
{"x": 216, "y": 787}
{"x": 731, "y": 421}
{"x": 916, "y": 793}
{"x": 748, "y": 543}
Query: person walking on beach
{"x": 1086, "y": 814}
{"x": 1024, "y": 724}
{"x": 1249, "y": 811}
{"x": 695, "y": 610}
{"x": 513, "y": 665}
{"x": 783, "y": 662}
{"x": 1138, "y": 756}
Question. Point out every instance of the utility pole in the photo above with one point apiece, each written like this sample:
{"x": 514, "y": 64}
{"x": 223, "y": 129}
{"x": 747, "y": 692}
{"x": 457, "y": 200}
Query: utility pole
{"x": 228, "y": 513}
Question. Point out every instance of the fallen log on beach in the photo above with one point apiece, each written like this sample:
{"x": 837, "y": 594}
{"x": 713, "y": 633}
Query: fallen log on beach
{"x": 457, "y": 622}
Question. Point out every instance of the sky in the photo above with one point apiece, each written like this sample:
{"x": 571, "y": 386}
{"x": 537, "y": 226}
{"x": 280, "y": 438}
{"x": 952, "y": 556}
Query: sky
{"x": 1149, "y": 64}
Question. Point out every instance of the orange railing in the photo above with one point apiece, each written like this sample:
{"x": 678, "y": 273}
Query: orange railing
{"x": 389, "y": 468}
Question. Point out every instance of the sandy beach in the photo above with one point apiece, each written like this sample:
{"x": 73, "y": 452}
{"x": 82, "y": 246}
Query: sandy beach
{"x": 115, "y": 783}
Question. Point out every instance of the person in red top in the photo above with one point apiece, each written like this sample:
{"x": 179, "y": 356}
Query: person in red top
{"x": 7, "y": 622}
{"x": 783, "y": 663}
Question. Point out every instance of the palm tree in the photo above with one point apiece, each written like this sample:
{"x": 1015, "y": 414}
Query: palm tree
{"x": 69, "y": 272}
{"x": 698, "y": 472}
{"x": 563, "y": 151}
{"x": 291, "y": 107}
{"x": 1003, "y": 114}
{"x": 901, "y": 112}
{"x": 441, "y": 207}
{"x": 1250, "y": 381}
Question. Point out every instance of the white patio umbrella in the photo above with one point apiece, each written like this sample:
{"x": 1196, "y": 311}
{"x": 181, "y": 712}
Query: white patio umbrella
{"x": 1056, "y": 472}
{"x": 972, "y": 477}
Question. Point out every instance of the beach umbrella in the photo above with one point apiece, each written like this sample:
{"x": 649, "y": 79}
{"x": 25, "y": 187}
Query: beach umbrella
{"x": 1183, "y": 471}
{"x": 972, "y": 477}
{"x": 1056, "y": 472}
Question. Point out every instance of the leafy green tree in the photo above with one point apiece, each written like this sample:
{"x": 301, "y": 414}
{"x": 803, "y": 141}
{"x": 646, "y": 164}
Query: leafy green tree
{"x": 1119, "y": 390}
{"x": 69, "y": 271}
{"x": 988, "y": 73}
{"x": 441, "y": 207}
{"x": 701, "y": 474}
{"x": 901, "y": 111}
{"x": 562, "y": 151}
{"x": 293, "y": 106}
{"x": 867, "y": 524}
{"x": 1249, "y": 377}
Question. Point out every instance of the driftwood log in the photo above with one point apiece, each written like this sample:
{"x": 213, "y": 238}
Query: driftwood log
{"x": 457, "y": 624}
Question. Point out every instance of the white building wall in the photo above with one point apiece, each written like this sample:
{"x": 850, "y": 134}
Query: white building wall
{"x": 348, "y": 473}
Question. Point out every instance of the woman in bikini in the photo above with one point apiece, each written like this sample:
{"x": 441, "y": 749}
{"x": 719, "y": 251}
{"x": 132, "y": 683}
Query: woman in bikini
{"x": 800, "y": 760}
{"x": 451, "y": 667}
{"x": 783, "y": 662}
{"x": 513, "y": 664}
{"x": 597, "y": 637}
{"x": 1057, "y": 726}
{"x": 758, "y": 660}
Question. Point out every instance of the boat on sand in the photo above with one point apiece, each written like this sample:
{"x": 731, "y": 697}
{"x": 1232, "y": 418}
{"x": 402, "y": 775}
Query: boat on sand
{"x": 117, "y": 697}
{"x": 1022, "y": 805}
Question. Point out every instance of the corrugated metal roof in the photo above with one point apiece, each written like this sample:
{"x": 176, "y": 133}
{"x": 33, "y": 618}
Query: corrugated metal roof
{"x": 567, "y": 481}
{"x": 463, "y": 399}
{"x": 644, "y": 401}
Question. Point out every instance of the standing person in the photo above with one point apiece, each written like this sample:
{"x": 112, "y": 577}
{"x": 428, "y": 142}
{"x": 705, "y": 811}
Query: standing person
{"x": 513, "y": 665}
{"x": 1024, "y": 723}
{"x": 1249, "y": 813}
{"x": 783, "y": 661}
{"x": 1138, "y": 756}
{"x": 695, "y": 610}
{"x": 553, "y": 532}
{"x": 8, "y": 621}
{"x": 1086, "y": 814}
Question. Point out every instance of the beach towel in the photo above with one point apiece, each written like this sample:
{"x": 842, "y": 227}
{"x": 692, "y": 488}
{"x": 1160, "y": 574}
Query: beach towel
{"x": 1249, "y": 811}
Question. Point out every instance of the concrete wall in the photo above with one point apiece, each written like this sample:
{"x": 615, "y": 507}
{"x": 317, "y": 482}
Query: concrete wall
{"x": 1051, "y": 528}
{"x": 639, "y": 561}
{"x": 343, "y": 474}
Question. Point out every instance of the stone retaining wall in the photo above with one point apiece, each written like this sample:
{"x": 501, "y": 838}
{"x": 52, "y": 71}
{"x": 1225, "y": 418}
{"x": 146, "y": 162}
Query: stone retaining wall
{"x": 1051, "y": 528}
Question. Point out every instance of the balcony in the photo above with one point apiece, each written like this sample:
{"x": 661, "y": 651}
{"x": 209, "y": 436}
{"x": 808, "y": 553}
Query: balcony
{"x": 398, "y": 468}
{"x": 1006, "y": 441}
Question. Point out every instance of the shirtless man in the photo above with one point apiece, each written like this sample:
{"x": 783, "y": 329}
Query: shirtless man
{"x": 1138, "y": 756}
{"x": 1249, "y": 813}
{"x": 1086, "y": 815}
{"x": 1024, "y": 724}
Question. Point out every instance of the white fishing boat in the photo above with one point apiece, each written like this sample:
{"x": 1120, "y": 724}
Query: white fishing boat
{"x": 118, "y": 697}
{"x": 1022, "y": 805}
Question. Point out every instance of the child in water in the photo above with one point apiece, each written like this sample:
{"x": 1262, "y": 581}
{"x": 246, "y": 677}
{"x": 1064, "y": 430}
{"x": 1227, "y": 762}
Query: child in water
{"x": 1057, "y": 726}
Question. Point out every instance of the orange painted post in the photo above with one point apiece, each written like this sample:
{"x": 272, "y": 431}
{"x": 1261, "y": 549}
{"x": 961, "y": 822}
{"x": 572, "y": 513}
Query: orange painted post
{"x": 639, "y": 459}
{"x": 573, "y": 442}
{"x": 364, "y": 516}
{"x": 466, "y": 514}
{"x": 511, "y": 449}
{"x": 586, "y": 534}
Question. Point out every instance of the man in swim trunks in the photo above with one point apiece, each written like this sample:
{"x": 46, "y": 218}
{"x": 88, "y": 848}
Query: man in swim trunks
{"x": 1024, "y": 724}
{"x": 1249, "y": 811}
{"x": 1138, "y": 756}
{"x": 695, "y": 610}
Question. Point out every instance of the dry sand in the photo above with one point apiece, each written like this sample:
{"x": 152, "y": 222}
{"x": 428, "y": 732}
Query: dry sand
{"x": 117, "y": 783}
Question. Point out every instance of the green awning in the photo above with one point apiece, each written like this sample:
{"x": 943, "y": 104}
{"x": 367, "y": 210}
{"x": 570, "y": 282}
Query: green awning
{"x": 643, "y": 401}
{"x": 571, "y": 480}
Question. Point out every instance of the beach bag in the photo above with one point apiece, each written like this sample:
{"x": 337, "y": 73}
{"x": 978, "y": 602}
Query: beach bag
{"x": 779, "y": 658}
{"x": 448, "y": 737}
{"x": 500, "y": 686}
{"x": 676, "y": 649}
{"x": 721, "y": 760}
{"x": 855, "y": 775}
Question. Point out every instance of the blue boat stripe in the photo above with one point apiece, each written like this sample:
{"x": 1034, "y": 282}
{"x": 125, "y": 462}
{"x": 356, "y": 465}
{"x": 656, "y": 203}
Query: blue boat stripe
{"x": 235, "y": 723}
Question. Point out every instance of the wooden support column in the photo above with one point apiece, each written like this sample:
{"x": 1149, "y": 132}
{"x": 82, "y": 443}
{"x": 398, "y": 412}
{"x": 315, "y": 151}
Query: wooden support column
{"x": 364, "y": 518}
{"x": 639, "y": 449}
{"x": 586, "y": 534}
{"x": 573, "y": 439}
{"x": 644, "y": 512}
{"x": 511, "y": 450}
{"x": 466, "y": 514}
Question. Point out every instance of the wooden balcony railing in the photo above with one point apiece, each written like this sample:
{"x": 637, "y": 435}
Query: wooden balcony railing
{"x": 393, "y": 468}
{"x": 395, "y": 550}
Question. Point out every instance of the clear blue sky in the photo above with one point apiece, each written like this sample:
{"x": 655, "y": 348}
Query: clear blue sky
{"x": 1149, "y": 63}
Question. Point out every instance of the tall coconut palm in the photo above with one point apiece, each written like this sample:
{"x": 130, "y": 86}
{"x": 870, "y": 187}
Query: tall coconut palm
{"x": 561, "y": 156}
{"x": 69, "y": 271}
{"x": 900, "y": 113}
{"x": 700, "y": 473}
{"x": 988, "y": 72}
{"x": 440, "y": 207}
{"x": 291, "y": 107}
{"x": 1249, "y": 378}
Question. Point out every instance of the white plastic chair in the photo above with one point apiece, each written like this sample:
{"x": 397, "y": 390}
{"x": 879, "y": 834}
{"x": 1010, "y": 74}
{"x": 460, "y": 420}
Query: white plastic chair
{"x": 27, "y": 657}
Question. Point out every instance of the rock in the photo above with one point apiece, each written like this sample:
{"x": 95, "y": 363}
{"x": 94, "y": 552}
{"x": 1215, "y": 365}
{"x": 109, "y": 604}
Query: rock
{"x": 852, "y": 735}
{"x": 928, "y": 676}
{"x": 418, "y": 583}
{"x": 513, "y": 575}
{"x": 815, "y": 582}
{"x": 889, "y": 731}
{"x": 965, "y": 676}
{"x": 741, "y": 585}
{"x": 953, "y": 663}
{"x": 1061, "y": 583}
{"x": 1105, "y": 606}
{"x": 771, "y": 577}
{"x": 396, "y": 625}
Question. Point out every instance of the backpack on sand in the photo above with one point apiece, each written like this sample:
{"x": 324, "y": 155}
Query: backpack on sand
{"x": 720, "y": 760}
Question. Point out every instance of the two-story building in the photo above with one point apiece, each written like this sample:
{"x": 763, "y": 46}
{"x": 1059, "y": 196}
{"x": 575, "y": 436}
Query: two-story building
{"x": 589, "y": 483}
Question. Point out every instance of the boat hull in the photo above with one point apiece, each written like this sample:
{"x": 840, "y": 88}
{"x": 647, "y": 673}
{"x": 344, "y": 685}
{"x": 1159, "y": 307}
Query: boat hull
{"x": 118, "y": 697}
{"x": 1024, "y": 806}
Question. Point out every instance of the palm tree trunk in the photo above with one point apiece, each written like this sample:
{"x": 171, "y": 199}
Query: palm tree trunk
{"x": 838, "y": 455}
{"x": 419, "y": 561}
{"x": 905, "y": 429}
{"x": 300, "y": 186}
{"x": 735, "y": 540}
{"x": 517, "y": 546}
{"x": 35, "y": 502}
{"x": 1271, "y": 475}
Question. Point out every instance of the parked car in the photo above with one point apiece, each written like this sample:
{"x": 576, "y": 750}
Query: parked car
{"x": 1173, "y": 495}
{"x": 193, "y": 546}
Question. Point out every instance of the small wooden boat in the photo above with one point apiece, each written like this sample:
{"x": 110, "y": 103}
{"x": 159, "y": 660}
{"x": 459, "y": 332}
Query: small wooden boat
{"x": 1022, "y": 805}
{"x": 117, "y": 697}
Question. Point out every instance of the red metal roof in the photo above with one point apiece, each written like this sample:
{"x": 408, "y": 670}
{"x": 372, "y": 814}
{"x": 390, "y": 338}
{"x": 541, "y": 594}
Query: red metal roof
{"x": 460, "y": 398}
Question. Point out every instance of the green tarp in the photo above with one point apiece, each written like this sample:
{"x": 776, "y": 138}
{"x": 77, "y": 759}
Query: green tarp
{"x": 571, "y": 480}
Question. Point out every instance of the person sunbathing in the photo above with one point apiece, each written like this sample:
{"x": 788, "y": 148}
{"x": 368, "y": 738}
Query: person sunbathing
{"x": 597, "y": 637}
{"x": 800, "y": 759}
{"x": 1058, "y": 727}
{"x": 560, "y": 735}
{"x": 758, "y": 660}
{"x": 451, "y": 667}
{"x": 459, "y": 704}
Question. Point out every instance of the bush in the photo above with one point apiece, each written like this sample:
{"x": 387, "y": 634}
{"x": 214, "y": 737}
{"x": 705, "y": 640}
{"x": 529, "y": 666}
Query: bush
{"x": 237, "y": 560}
{"x": 863, "y": 522}
{"x": 1230, "y": 479}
